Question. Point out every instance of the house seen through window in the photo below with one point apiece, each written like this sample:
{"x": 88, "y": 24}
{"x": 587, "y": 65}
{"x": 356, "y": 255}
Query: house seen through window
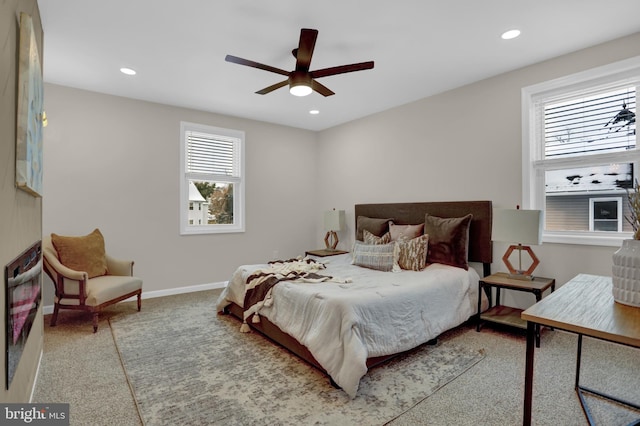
{"x": 212, "y": 180}
{"x": 580, "y": 153}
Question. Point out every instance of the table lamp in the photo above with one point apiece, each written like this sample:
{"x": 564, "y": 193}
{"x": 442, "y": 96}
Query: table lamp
{"x": 523, "y": 227}
{"x": 333, "y": 221}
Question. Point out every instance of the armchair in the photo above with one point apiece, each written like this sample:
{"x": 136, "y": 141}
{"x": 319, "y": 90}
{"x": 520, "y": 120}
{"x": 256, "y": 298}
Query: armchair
{"x": 86, "y": 291}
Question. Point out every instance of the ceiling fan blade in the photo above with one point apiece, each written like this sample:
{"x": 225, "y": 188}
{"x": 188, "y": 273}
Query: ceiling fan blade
{"x": 322, "y": 89}
{"x": 236, "y": 60}
{"x": 305, "y": 48}
{"x": 325, "y": 72}
{"x": 272, "y": 87}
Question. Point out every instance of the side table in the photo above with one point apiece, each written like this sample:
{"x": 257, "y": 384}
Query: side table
{"x": 507, "y": 315}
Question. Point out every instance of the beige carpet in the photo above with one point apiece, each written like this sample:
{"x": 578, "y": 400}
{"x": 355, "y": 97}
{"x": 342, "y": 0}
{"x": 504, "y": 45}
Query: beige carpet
{"x": 194, "y": 367}
{"x": 84, "y": 369}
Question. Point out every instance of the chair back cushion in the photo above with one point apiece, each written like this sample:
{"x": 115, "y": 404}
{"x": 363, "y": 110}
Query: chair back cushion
{"x": 85, "y": 253}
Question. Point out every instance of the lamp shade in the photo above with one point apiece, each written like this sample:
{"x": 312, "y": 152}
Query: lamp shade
{"x": 517, "y": 226}
{"x": 333, "y": 220}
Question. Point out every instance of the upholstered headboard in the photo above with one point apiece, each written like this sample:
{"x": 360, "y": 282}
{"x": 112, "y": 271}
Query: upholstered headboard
{"x": 480, "y": 246}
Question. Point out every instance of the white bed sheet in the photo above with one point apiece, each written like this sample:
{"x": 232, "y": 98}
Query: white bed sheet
{"x": 378, "y": 313}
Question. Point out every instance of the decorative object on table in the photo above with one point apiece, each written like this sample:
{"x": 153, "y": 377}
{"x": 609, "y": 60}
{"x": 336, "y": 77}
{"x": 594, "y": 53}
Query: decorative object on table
{"x": 523, "y": 227}
{"x": 625, "y": 272}
{"x": 30, "y": 112}
{"x": 333, "y": 221}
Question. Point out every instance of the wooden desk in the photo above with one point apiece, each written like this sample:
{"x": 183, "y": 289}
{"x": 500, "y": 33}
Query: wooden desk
{"x": 584, "y": 306}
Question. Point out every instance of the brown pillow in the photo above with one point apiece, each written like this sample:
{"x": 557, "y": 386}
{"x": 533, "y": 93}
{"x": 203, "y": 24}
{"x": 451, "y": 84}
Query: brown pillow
{"x": 448, "y": 240}
{"x": 405, "y": 232}
{"x": 82, "y": 253}
{"x": 376, "y": 226}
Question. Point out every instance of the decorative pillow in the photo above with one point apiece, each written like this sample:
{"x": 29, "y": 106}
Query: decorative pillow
{"x": 82, "y": 253}
{"x": 369, "y": 238}
{"x": 377, "y": 227}
{"x": 405, "y": 232}
{"x": 448, "y": 240}
{"x": 412, "y": 254}
{"x": 381, "y": 257}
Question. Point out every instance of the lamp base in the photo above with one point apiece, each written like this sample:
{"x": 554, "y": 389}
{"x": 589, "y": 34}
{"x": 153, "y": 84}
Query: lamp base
{"x": 521, "y": 277}
{"x": 520, "y": 274}
{"x": 331, "y": 240}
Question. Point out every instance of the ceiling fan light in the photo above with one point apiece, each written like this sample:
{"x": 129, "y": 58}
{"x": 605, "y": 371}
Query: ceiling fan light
{"x": 300, "y": 90}
{"x": 300, "y": 84}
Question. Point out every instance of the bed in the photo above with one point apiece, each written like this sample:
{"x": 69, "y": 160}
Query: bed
{"x": 360, "y": 317}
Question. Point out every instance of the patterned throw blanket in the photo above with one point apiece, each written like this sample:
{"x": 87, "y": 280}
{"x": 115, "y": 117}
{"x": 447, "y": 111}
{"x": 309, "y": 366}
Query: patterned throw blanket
{"x": 260, "y": 283}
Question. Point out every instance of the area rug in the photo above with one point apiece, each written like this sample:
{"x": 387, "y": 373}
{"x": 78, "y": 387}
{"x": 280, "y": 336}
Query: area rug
{"x": 191, "y": 366}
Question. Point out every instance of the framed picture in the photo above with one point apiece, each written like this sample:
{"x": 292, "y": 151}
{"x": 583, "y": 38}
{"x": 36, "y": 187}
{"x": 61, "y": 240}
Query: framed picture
{"x": 30, "y": 112}
{"x": 23, "y": 281}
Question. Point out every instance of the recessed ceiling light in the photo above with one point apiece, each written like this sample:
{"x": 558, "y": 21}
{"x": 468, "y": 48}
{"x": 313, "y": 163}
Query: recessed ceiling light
{"x": 508, "y": 35}
{"x": 127, "y": 71}
{"x": 314, "y": 112}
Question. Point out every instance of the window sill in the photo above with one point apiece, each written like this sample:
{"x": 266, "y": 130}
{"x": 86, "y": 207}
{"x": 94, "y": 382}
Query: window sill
{"x": 219, "y": 229}
{"x": 587, "y": 238}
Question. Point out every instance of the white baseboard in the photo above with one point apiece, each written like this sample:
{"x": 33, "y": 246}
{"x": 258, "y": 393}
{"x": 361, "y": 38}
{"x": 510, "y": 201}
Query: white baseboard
{"x": 160, "y": 293}
{"x": 35, "y": 380}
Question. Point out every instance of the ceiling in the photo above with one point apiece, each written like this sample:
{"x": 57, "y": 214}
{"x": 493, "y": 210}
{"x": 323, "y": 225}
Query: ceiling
{"x": 420, "y": 48}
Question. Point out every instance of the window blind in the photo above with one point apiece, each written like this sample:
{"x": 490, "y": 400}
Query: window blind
{"x": 212, "y": 154}
{"x": 601, "y": 122}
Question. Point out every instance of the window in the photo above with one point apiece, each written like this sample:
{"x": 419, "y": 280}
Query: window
{"x": 605, "y": 214}
{"x": 211, "y": 179}
{"x": 580, "y": 154}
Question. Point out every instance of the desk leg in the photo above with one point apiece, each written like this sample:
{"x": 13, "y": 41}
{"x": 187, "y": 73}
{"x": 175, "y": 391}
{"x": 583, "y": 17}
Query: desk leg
{"x": 528, "y": 373}
{"x": 480, "y": 290}
{"x": 580, "y": 389}
{"x": 538, "y": 295}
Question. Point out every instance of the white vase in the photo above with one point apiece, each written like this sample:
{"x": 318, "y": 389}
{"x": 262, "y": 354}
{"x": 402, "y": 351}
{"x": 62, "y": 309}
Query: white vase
{"x": 626, "y": 273}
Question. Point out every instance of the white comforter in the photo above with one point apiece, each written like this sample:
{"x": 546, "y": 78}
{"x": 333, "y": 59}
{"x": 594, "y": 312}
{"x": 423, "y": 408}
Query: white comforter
{"x": 378, "y": 313}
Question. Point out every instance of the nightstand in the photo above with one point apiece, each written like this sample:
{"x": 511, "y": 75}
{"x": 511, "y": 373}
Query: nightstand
{"x": 506, "y": 315}
{"x": 324, "y": 252}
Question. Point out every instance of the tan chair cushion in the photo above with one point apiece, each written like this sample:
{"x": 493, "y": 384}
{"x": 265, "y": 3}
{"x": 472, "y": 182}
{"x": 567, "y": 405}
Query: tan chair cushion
{"x": 84, "y": 253}
{"x": 106, "y": 288}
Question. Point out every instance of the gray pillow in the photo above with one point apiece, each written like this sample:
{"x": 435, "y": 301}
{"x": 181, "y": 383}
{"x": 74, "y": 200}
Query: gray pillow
{"x": 376, "y": 226}
{"x": 381, "y": 257}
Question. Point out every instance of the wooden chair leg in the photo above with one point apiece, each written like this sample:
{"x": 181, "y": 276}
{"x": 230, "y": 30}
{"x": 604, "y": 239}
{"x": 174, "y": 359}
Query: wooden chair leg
{"x": 54, "y": 317}
{"x": 95, "y": 322}
{"x": 139, "y": 301}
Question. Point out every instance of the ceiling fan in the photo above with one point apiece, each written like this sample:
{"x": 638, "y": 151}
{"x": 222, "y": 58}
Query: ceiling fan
{"x": 301, "y": 81}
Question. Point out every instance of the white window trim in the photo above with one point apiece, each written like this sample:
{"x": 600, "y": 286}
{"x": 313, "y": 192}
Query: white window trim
{"x": 532, "y": 179}
{"x": 239, "y": 186}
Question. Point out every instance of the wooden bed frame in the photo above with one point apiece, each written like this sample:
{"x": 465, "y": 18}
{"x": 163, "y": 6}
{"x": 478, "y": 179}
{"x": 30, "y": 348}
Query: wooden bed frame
{"x": 480, "y": 251}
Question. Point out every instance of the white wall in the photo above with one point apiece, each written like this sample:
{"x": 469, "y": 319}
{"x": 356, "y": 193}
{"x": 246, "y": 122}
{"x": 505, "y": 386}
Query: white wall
{"x": 107, "y": 159}
{"x": 464, "y": 144}
{"x": 113, "y": 163}
{"x": 20, "y": 212}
